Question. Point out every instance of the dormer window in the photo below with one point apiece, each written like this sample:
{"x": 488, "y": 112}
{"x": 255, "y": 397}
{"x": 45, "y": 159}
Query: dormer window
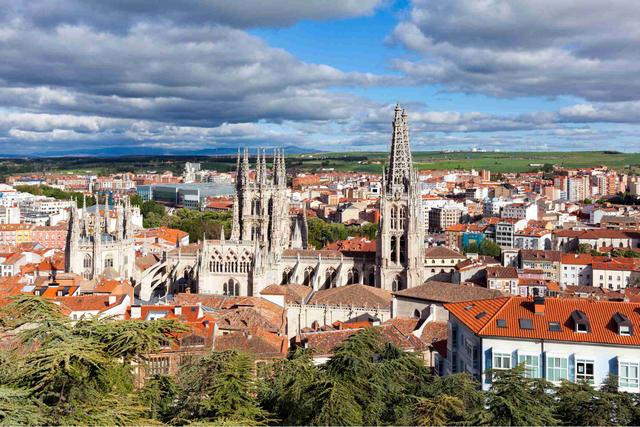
{"x": 581, "y": 322}
{"x": 625, "y": 327}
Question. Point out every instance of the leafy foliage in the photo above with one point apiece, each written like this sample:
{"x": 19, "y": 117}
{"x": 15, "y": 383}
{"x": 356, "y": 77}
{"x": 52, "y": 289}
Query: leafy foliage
{"x": 322, "y": 232}
{"x": 64, "y": 373}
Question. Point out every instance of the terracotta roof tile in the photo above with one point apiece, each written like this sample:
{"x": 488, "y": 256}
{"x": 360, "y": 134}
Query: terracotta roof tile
{"x": 448, "y": 292}
{"x": 442, "y": 252}
{"x": 512, "y": 309}
{"x": 499, "y": 272}
{"x": 352, "y": 295}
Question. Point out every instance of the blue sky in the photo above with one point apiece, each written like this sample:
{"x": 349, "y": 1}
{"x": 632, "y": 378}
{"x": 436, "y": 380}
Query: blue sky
{"x": 104, "y": 76}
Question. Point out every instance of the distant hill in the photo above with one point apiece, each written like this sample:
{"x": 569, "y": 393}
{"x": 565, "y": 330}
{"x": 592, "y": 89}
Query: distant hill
{"x": 145, "y": 151}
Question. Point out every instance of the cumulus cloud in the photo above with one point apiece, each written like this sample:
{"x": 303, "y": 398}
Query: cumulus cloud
{"x": 585, "y": 48}
{"x": 118, "y": 15}
{"x": 189, "y": 75}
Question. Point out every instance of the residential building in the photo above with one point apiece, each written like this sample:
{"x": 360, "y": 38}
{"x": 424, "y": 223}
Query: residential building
{"x": 555, "y": 339}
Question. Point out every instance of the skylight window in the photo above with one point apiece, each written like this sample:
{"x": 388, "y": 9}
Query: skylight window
{"x": 481, "y": 315}
{"x": 526, "y": 323}
{"x": 501, "y": 323}
{"x": 554, "y": 326}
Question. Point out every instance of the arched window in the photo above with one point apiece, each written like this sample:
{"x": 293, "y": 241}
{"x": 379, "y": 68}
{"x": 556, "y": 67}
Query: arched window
{"x": 308, "y": 274}
{"x": 231, "y": 288}
{"x": 416, "y": 313}
{"x": 255, "y": 232}
{"x": 372, "y": 276}
{"x": 394, "y": 217}
{"x": 88, "y": 261}
{"x": 286, "y": 276}
{"x": 353, "y": 276}
{"x": 403, "y": 217}
{"x": 108, "y": 262}
{"x": 396, "y": 285}
{"x": 403, "y": 249}
{"x": 329, "y": 277}
{"x": 255, "y": 207}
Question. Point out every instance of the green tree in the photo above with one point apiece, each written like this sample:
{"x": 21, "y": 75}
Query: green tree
{"x": 284, "y": 389}
{"x": 159, "y": 396}
{"x": 471, "y": 248}
{"x": 70, "y": 374}
{"x": 219, "y": 388}
{"x": 438, "y": 411}
{"x": 515, "y": 400}
{"x": 490, "y": 248}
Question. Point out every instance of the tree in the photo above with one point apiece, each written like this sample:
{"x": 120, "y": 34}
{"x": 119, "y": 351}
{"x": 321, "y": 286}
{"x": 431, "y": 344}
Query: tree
{"x": 283, "y": 390}
{"x": 65, "y": 373}
{"x": 490, "y": 248}
{"x": 514, "y": 400}
{"x": 158, "y": 396}
{"x": 471, "y": 248}
{"x": 219, "y": 388}
{"x": 438, "y": 411}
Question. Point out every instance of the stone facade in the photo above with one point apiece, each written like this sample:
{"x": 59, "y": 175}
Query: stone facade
{"x": 97, "y": 246}
{"x": 401, "y": 232}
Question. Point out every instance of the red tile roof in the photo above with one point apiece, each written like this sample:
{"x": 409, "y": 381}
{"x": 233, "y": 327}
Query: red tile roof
{"x": 499, "y": 272}
{"x": 352, "y": 295}
{"x": 512, "y": 309}
{"x": 442, "y": 252}
{"x": 356, "y": 244}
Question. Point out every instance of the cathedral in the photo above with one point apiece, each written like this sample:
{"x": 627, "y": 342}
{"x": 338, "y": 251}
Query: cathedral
{"x": 101, "y": 243}
{"x": 268, "y": 240}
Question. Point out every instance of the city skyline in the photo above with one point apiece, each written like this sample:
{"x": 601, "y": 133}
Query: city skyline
{"x": 77, "y": 77}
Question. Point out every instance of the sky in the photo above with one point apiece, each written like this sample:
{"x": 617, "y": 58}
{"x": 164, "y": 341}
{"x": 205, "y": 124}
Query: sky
{"x": 117, "y": 77}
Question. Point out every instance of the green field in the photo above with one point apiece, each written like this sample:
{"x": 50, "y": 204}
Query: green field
{"x": 495, "y": 162}
{"x": 346, "y": 161}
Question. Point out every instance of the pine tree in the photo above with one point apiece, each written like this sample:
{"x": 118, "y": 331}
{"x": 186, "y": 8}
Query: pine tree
{"x": 514, "y": 400}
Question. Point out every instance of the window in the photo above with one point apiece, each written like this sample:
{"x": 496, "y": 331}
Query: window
{"x": 501, "y": 361}
{"x": 501, "y": 323}
{"x": 628, "y": 375}
{"x": 584, "y": 370}
{"x": 454, "y": 336}
{"x": 526, "y": 324}
{"x": 531, "y": 365}
{"x": 557, "y": 369}
{"x": 554, "y": 326}
{"x": 625, "y": 330}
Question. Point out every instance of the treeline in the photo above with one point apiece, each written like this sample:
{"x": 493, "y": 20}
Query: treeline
{"x": 322, "y": 232}
{"x": 81, "y": 373}
{"x": 56, "y": 193}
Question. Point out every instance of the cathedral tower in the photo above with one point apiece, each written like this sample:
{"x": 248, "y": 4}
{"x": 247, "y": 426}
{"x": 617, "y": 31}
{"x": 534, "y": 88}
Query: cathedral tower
{"x": 400, "y": 248}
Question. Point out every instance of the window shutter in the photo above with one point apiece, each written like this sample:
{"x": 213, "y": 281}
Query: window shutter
{"x": 488, "y": 364}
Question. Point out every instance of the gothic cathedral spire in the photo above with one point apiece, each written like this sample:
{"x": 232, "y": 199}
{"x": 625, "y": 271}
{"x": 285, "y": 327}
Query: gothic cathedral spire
{"x": 400, "y": 170}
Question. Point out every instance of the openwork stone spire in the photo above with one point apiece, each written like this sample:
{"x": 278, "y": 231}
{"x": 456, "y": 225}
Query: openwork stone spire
{"x": 400, "y": 170}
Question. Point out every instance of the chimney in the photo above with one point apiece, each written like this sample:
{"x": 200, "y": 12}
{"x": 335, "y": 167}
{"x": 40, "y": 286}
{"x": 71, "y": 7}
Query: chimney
{"x": 538, "y": 305}
{"x": 136, "y": 311}
{"x": 177, "y": 310}
{"x": 112, "y": 299}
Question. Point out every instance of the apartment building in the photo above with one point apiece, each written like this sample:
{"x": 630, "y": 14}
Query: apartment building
{"x": 555, "y": 339}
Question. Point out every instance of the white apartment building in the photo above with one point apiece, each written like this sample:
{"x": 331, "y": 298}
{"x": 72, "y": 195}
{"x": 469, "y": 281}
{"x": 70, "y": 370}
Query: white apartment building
{"x": 555, "y": 339}
{"x": 616, "y": 273}
{"x": 493, "y": 206}
{"x": 9, "y": 215}
{"x": 575, "y": 270}
{"x": 520, "y": 210}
